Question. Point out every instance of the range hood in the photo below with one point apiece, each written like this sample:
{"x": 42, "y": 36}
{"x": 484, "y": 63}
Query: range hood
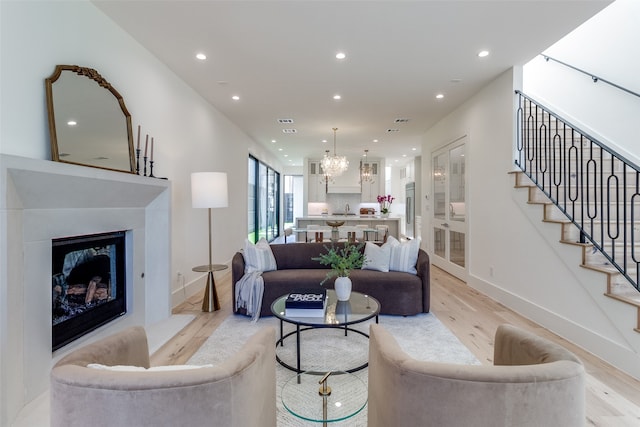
{"x": 344, "y": 189}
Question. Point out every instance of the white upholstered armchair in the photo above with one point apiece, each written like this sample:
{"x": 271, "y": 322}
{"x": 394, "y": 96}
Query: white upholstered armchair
{"x": 239, "y": 392}
{"x": 533, "y": 382}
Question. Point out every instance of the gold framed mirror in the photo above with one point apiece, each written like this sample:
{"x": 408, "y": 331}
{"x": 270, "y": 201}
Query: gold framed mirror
{"x": 89, "y": 123}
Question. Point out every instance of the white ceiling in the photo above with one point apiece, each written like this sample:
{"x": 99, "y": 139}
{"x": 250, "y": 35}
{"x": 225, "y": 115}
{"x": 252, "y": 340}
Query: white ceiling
{"x": 279, "y": 57}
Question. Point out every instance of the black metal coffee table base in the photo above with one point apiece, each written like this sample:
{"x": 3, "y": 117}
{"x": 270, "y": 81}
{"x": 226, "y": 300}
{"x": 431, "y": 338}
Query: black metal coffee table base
{"x": 339, "y": 315}
{"x": 297, "y": 332}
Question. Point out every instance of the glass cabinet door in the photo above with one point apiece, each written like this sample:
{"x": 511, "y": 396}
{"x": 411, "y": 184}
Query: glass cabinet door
{"x": 449, "y": 208}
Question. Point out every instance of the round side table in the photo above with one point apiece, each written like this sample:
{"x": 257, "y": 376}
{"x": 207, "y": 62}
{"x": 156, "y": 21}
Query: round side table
{"x": 210, "y": 302}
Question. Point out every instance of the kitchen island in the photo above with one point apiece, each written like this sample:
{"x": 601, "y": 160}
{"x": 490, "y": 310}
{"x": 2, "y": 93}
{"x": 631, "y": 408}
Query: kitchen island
{"x": 351, "y": 220}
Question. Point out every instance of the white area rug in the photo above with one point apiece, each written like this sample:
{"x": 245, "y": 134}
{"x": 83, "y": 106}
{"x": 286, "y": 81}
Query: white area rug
{"x": 422, "y": 336}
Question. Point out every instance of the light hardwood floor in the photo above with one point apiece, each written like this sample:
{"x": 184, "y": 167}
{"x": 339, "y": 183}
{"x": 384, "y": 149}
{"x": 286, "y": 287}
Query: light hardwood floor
{"x": 613, "y": 398}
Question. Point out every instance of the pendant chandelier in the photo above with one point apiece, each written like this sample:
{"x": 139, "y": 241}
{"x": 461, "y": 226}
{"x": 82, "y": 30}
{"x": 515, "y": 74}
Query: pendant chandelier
{"x": 366, "y": 174}
{"x": 325, "y": 177}
{"x": 334, "y": 165}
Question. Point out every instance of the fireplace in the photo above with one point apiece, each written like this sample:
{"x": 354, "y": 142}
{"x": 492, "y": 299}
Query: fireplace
{"x": 42, "y": 201}
{"x": 87, "y": 284}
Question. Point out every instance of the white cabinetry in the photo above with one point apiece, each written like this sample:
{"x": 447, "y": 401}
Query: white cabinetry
{"x": 407, "y": 173}
{"x": 370, "y": 190}
{"x": 348, "y": 181}
{"x": 317, "y": 191}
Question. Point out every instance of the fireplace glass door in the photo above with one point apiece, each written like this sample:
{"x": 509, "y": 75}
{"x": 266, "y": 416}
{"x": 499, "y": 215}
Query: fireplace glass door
{"x": 87, "y": 284}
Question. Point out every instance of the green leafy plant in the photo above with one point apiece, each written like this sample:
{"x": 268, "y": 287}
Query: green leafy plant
{"x": 341, "y": 260}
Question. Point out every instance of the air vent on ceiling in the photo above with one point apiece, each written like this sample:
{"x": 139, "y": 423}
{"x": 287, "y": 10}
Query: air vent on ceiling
{"x": 285, "y": 121}
{"x": 289, "y": 131}
{"x": 401, "y": 120}
{"x": 393, "y": 130}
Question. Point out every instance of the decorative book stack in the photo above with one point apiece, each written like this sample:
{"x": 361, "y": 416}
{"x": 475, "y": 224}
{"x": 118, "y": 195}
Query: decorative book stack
{"x": 306, "y": 303}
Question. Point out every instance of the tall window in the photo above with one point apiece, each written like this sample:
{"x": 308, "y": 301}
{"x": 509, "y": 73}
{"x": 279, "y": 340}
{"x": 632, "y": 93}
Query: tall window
{"x": 264, "y": 201}
{"x": 293, "y": 196}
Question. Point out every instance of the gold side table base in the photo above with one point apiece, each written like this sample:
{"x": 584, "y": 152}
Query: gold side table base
{"x": 210, "y": 302}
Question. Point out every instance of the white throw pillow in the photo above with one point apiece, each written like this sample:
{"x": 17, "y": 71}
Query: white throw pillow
{"x": 127, "y": 368}
{"x": 258, "y": 257}
{"x": 404, "y": 256}
{"x": 377, "y": 257}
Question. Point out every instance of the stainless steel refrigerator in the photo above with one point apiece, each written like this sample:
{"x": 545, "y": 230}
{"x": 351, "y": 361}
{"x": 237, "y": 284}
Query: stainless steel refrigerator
{"x": 410, "y": 214}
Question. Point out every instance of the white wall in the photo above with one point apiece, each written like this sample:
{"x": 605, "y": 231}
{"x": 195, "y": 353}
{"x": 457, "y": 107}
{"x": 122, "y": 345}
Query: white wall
{"x": 532, "y": 272}
{"x": 606, "y": 46}
{"x": 190, "y": 134}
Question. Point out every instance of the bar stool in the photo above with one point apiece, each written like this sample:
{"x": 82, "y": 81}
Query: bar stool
{"x": 384, "y": 231}
{"x": 347, "y": 233}
{"x": 318, "y": 233}
{"x": 312, "y": 232}
{"x": 287, "y": 232}
{"x": 360, "y": 233}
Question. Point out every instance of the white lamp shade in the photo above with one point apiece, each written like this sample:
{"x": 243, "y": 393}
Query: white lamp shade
{"x": 209, "y": 190}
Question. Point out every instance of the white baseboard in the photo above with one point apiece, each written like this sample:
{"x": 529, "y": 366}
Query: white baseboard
{"x": 610, "y": 351}
{"x": 187, "y": 290}
{"x": 180, "y": 295}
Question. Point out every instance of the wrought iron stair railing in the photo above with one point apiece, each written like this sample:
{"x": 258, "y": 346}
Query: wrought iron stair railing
{"x": 596, "y": 188}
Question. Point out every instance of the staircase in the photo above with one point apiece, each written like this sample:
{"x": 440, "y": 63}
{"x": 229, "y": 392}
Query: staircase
{"x": 589, "y": 190}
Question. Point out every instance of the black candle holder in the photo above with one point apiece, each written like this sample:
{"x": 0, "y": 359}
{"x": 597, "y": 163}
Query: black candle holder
{"x": 145, "y": 165}
{"x": 151, "y": 169}
{"x": 137, "y": 161}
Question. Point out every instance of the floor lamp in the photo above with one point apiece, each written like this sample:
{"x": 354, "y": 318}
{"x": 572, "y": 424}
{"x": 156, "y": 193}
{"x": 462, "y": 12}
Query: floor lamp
{"x": 209, "y": 190}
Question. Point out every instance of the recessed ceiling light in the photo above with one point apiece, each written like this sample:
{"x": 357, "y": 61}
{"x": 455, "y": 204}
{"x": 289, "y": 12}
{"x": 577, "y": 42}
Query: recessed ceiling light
{"x": 404, "y": 155}
{"x": 375, "y": 140}
{"x": 235, "y": 97}
{"x": 273, "y": 140}
{"x": 280, "y": 149}
{"x": 286, "y": 155}
{"x": 337, "y": 97}
{"x": 341, "y": 55}
{"x": 72, "y": 123}
{"x": 414, "y": 149}
{"x": 324, "y": 140}
{"x": 483, "y": 53}
{"x": 201, "y": 56}
{"x": 439, "y": 96}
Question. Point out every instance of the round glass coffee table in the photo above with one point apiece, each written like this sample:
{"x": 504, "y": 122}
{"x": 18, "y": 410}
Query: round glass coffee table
{"x": 305, "y": 397}
{"x": 338, "y": 315}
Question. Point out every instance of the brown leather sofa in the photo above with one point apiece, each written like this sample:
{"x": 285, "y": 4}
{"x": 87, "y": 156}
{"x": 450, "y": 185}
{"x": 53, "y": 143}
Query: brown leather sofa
{"x": 399, "y": 293}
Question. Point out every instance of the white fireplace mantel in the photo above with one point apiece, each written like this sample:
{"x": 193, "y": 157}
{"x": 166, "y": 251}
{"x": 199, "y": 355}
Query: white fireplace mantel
{"x": 41, "y": 200}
